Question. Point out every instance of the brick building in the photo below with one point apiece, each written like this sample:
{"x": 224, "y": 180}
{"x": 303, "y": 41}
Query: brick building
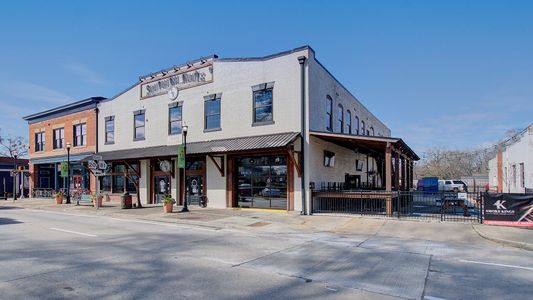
{"x": 50, "y": 132}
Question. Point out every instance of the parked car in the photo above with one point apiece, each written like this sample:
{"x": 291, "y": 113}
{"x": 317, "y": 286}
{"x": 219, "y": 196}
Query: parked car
{"x": 428, "y": 184}
{"x": 452, "y": 186}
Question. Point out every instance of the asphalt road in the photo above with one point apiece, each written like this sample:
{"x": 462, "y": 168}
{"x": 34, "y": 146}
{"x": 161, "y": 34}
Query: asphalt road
{"x": 53, "y": 255}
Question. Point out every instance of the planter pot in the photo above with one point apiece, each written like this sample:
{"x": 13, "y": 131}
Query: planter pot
{"x": 59, "y": 199}
{"x": 97, "y": 201}
{"x": 168, "y": 207}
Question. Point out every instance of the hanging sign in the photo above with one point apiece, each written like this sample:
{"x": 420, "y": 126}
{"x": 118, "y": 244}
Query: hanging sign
{"x": 64, "y": 169}
{"x": 181, "y": 157}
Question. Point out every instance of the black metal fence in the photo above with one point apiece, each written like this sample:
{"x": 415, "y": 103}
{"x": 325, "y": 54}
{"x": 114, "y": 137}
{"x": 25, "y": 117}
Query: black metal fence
{"x": 442, "y": 206}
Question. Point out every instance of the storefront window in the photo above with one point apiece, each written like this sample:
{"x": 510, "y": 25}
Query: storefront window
{"x": 105, "y": 184}
{"x": 262, "y": 182}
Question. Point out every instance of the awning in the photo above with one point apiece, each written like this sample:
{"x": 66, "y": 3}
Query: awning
{"x": 270, "y": 141}
{"x": 376, "y": 144}
{"x": 57, "y": 159}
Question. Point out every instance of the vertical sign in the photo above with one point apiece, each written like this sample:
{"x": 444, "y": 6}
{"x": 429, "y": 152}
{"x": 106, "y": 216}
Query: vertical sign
{"x": 64, "y": 169}
{"x": 181, "y": 157}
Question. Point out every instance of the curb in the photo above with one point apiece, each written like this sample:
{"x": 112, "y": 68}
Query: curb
{"x": 524, "y": 246}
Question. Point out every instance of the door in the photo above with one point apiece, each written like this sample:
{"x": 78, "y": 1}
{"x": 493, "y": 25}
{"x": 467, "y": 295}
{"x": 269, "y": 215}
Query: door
{"x": 195, "y": 187}
{"x": 161, "y": 187}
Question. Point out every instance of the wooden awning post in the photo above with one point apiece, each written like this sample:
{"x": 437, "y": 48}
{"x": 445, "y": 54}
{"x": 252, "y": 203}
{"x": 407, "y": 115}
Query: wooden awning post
{"x": 396, "y": 171}
{"x": 403, "y": 168}
{"x": 388, "y": 178}
{"x": 411, "y": 177}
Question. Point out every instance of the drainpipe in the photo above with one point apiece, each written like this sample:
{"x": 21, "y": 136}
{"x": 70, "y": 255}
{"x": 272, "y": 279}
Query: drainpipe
{"x": 96, "y": 125}
{"x": 301, "y": 60}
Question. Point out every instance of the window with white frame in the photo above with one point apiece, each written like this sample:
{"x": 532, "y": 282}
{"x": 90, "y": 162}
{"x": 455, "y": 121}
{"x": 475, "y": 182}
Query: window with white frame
{"x": 356, "y": 125}
{"x": 362, "y": 127}
{"x": 263, "y": 97}
{"x": 80, "y": 134}
{"x": 522, "y": 175}
{"x": 59, "y": 138}
{"x": 39, "y": 141}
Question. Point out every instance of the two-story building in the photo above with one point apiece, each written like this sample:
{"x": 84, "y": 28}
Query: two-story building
{"x": 51, "y": 132}
{"x": 258, "y": 130}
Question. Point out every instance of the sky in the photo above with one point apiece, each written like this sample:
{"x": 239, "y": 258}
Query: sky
{"x": 440, "y": 74}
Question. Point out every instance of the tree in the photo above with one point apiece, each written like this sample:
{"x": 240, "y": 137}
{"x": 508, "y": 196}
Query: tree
{"x": 449, "y": 164}
{"x": 11, "y": 146}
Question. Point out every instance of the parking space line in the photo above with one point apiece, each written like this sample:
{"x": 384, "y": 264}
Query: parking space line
{"x": 495, "y": 264}
{"x": 73, "y": 232}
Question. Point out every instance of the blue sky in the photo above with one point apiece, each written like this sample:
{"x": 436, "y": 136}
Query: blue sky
{"x": 453, "y": 74}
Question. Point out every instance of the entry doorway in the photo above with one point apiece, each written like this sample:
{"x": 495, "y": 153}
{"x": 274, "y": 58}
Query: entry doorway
{"x": 195, "y": 188}
{"x": 161, "y": 187}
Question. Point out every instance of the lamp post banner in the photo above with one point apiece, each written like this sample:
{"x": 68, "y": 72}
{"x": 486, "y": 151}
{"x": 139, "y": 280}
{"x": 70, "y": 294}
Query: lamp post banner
{"x": 181, "y": 157}
{"x": 64, "y": 169}
{"x": 508, "y": 209}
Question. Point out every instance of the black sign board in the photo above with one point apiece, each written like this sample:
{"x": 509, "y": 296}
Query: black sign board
{"x": 508, "y": 209}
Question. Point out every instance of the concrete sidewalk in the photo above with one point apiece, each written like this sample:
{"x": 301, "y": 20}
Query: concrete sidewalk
{"x": 269, "y": 221}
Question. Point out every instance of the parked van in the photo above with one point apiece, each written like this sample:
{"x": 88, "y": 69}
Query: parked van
{"x": 452, "y": 186}
{"x": 428, "y": 184}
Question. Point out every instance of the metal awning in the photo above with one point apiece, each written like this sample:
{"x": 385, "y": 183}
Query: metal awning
{"x": 270, "y": 141}
{"x": 370, "y": 143}
{"x": 57, "y": 159}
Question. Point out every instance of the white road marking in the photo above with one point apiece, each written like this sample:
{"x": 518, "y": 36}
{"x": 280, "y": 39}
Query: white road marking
{"x": 494, "y": 264}
{"x": 433, "y": 298}
{"x": 74, "y": 232}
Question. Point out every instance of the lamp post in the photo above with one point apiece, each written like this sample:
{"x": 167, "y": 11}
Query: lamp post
{"x": 185, "y": 128}
{"x": 68, "y": 173}
{"x": 14, "y": 177}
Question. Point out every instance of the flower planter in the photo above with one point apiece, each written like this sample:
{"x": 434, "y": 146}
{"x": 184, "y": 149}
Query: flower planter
{"x": 59, "y": 199}
{"x": 168, "y": 207}
{"x": 97, "y": 201}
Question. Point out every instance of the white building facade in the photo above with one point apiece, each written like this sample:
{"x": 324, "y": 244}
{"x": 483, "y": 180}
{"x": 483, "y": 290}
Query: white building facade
{"x": 511, "y": 171}
{"x": 245, "y": 121}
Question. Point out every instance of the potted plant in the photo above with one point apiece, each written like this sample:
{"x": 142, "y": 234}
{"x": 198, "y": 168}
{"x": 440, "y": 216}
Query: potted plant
{"x": 97, "y": 200}
{"x": 168, "y": 203}
{"x": 59, "y": 197}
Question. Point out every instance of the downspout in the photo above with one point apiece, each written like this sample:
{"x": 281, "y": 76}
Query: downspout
{"x": 301, "y": 60}
{"x": 96, "y": 125}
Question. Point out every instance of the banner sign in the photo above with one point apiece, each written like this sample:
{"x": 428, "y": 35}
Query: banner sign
{"x": 64, "y": 169}
{"x": 508, "y": 209}
{"x": 181, "y": 81}
{"x": 181, "y": 157}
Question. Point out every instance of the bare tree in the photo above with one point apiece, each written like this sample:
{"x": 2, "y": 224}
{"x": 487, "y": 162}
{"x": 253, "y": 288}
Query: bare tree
{"x": 11, "y": 146}
{"x": 450, "y": 164}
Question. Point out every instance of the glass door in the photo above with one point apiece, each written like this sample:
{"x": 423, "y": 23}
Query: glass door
{"x": 161, "y": 187}
{"x": 195, "y": 188}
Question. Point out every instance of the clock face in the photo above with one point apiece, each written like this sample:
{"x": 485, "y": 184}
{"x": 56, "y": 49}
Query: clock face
{"x": 165, "y": 166}
{"x": 173, "y": 93}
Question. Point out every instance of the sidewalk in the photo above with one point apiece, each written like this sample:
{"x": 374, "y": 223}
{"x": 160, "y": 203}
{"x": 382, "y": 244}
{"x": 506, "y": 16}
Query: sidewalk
{"x": 291, "y": 223}
{"x": 518, "y": 237}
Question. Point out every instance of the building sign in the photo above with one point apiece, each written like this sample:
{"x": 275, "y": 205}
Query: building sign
{"x": 181, "y": 81}
{"x": 508, "y": 209}
{"x": 64, "y": 169}
{"x": 181, "y": 157}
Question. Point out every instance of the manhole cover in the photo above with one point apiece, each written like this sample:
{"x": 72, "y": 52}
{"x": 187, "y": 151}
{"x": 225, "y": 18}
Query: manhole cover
{"x": 259, "y": 224}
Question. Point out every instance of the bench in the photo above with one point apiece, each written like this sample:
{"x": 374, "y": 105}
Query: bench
{"x": 85, "y": 199}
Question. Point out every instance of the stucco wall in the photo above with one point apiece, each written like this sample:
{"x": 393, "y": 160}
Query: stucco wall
{"x": 344, "y": 163}
{"x": 323, "y": 84}
{"x": 216, "y": 192}
{"x": 234, "y": 79}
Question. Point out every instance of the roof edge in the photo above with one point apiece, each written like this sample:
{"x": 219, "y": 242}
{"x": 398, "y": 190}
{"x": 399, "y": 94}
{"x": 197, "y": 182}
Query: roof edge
{"x": 66, "y": 107}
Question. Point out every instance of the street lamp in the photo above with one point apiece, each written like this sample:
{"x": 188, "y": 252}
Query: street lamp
{"x": 68, "y": 173}
{"x": 14, "y": 177}
{"x": 185, "y": 128}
